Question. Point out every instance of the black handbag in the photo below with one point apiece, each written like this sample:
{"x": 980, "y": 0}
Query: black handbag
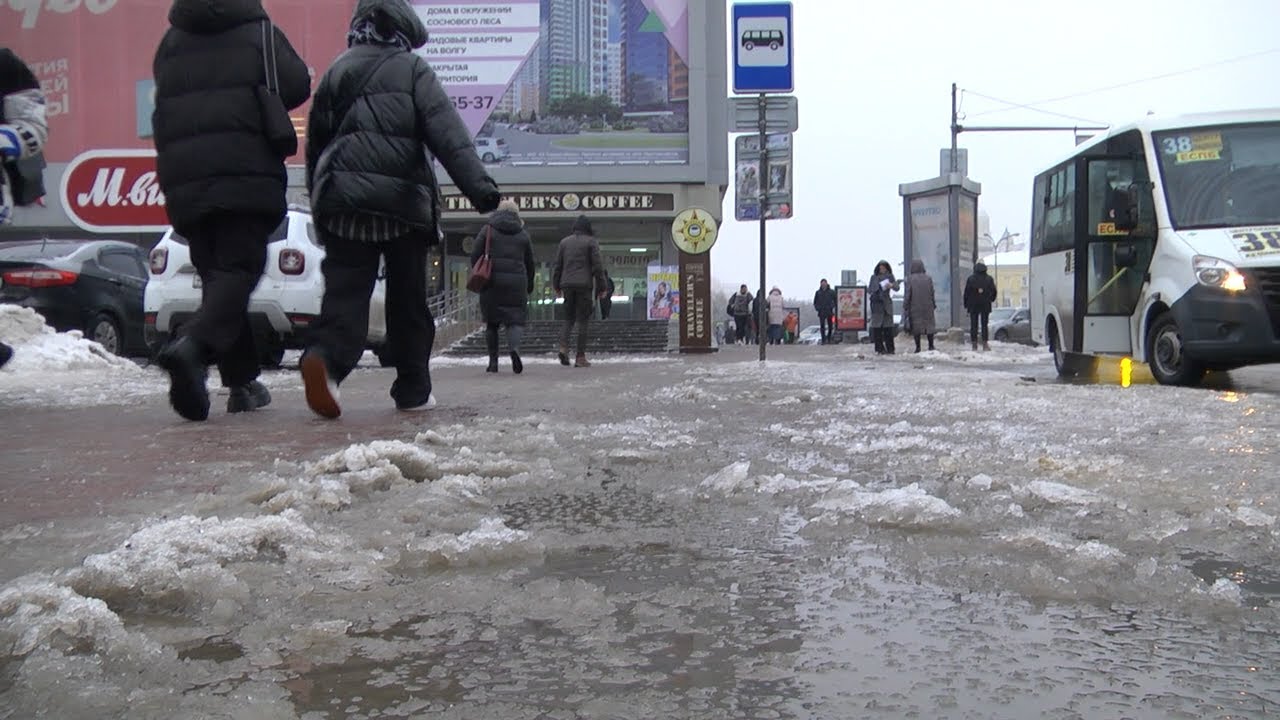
{"x": 276, "y": 123}
{"x": 26, "y": 179}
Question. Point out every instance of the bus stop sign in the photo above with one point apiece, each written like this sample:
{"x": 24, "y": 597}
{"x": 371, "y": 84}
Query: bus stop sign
{"x": 763, "y": 47}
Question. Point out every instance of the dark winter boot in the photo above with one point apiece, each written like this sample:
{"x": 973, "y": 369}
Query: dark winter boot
{"x": 187, "y": 364}
{"x": 930, "y": 342}
{"x": 917, "y": 337}
{"x": 975, "y": 345}
{"x": 320, "y": 389}
{"x": 244, "y": 398}
{"x": 985, "y": 346}
{"x": 6, "y": 354}
{"x": 564, "y": 356}
{"x": 581, "y": 361}
{"x": 517, "y": 366}
{"x": 491, "y": 342}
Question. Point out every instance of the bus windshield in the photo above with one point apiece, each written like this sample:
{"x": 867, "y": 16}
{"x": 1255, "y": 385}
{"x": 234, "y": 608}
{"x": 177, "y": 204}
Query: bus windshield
{"x": 1221, "y": 176}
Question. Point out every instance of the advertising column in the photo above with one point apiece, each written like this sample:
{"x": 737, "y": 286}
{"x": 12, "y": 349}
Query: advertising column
{"x": 931, "y": 242}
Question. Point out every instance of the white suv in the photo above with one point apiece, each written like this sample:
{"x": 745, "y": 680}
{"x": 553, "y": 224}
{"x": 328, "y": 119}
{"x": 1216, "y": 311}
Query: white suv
{"x": 281, "y": 308}
{"x": 492, "y": 150}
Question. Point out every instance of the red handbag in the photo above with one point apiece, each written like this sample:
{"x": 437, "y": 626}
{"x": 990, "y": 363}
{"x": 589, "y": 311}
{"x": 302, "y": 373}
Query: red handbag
{"x": 478, "y": 280}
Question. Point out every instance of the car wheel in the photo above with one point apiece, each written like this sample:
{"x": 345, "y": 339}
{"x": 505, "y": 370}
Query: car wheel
{"x": 1167, "y": 354}
{"x": 271, "y": 354}
{"x": 105, "y": 331}
{"x": 487, "y": 157}
{"x": 1067, "y": 364}
{"x": 1002, "y": 336}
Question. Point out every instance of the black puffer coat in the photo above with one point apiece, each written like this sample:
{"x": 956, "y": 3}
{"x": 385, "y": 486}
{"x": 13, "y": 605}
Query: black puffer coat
{"x": 212, "y": 155}
{"x": 506, "y": 299}
{"x": 979, "y": 290}
{"x": 367, "y": 139}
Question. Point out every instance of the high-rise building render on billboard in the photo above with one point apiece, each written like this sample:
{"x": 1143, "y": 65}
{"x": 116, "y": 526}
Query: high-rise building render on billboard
{"x": 573, "y": 49}
{"x": 646, "y": 64}
{"x": 614, "y": 63}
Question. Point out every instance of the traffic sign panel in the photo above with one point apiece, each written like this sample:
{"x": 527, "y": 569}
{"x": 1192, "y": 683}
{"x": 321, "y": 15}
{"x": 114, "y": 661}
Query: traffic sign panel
{"x": 763, "y": 47}
{"x": 781, "y": 114}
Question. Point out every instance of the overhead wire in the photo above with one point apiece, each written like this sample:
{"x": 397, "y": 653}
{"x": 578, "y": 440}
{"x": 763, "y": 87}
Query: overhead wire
{"x": 1117, "y": 86}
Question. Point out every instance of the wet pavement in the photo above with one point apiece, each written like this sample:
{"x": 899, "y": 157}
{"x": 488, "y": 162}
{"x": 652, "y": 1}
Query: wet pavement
{"x": 828, "y": 535}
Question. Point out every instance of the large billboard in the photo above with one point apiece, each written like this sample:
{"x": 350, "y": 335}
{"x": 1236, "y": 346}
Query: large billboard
{"x": 931, "y": 239}
{"x": 539, "y": 81}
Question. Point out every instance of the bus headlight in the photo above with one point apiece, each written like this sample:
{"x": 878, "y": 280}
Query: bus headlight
{"x": 1218, "y": 273}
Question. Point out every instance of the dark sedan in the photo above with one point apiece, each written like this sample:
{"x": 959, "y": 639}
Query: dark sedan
{"x": 95, "y": 286}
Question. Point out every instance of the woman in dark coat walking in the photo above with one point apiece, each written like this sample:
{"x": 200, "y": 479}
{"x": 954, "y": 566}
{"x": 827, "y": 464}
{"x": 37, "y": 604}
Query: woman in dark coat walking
{"x": 919, "y": 303}
{"x": 504, "y": 302}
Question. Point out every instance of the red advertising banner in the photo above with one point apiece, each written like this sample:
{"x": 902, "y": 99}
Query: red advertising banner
{"x": 850, "y": 304}
{"x": 93, "y": 60}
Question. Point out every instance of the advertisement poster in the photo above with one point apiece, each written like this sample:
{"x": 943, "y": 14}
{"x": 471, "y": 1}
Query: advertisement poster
{"x": 851, "y": 308}
{"x": 664, "y": 291}
{"x": 746, "y": 177}
{"x": 614, "y": 90}
{"x": 931, "y": 242}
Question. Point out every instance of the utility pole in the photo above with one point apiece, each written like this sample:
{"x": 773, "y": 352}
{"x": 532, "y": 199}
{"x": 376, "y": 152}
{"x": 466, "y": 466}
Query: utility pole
{"x": 762, "y": 313}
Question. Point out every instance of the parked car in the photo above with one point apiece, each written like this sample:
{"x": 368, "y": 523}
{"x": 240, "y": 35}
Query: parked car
{"x": 491, "y": 149}
{"x": 95, "y": 286}
{"x": 812, "y": 335}
{"x": 1015, "y": 328}
{"x": 281, "y": 308}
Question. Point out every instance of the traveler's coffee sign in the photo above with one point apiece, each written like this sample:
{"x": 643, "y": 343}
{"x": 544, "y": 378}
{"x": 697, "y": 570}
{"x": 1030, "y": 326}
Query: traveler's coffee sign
{"x": 575, "y": 202}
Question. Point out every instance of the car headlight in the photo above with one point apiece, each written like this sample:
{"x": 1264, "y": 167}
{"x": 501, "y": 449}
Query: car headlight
{"x": 1218, "y": 273}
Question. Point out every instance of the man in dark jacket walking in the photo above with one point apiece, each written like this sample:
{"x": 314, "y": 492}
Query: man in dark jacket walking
{"x": 740, "y": 310}
{"x": 578, "y": 274}
{"x": 979, "y": 293}
{"x": 24, "y": 128}
{"x": 824, "y": 303}
{"x": 224, "y": 184}
{"x": 378, "y": 110}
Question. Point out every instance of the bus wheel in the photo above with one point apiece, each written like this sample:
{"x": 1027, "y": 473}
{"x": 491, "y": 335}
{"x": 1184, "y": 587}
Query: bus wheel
{"x": 1168, "y": 360}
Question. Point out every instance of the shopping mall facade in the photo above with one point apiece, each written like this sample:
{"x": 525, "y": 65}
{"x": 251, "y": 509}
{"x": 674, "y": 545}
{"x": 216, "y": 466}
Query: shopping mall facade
{"x": 616, "y": 109}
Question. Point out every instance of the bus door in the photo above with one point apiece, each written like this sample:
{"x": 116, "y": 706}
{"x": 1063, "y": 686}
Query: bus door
{"x": 1113, "y": 263}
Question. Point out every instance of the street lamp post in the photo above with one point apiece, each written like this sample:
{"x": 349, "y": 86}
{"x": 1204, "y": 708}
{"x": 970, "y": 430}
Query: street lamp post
{"x": 1005, "y": 239}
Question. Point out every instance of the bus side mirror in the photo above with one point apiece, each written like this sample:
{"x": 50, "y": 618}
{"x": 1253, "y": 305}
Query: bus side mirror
{"x": 1126, "y": 255}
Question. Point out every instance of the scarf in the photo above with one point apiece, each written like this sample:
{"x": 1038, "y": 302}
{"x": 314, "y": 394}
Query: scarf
{"x": 365, "y": 32}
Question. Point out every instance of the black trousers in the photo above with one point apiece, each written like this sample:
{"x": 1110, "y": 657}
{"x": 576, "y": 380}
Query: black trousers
{"x": 606, "y": 306}
{"x": 742, "y": 325}
{"x": 827, "y": 324}
{"x": 229, "y": 253}
{"x": 341, "y": 332}
{"x": 974, "y": 318}
{"x": 578, "y": 304}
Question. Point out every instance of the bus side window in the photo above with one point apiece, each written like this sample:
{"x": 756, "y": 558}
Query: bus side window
{"x": 1109, "y": 182}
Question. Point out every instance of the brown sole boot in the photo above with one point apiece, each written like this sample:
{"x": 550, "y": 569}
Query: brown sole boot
{"x": 320, "y": 390}
{"x": 581, "y": 361}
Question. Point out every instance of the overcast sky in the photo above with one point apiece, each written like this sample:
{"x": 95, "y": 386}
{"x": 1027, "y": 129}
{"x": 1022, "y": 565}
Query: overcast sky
{"x": 874, "y": 84}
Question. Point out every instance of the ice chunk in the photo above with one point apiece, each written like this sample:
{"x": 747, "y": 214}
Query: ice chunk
{"x": 36, "y": 615}
{"x": 980, "y": 482}
{"x": 1254, "y": 517}
{"x": 1227, "y": 591}
{"x": 728, "y": 480}
{"x": 909, "y": 506}
{"x": 491, "y": 543}
{"x": 1060, "y": 494}
{"x": 38, "y": 348}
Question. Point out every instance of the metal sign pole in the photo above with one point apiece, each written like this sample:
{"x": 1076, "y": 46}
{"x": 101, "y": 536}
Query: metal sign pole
{"x": 763, "y": 313}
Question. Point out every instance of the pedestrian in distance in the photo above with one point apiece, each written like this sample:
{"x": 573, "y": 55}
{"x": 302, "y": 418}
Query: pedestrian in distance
{"x": 777, "y": 314}
{"x": 740, "y": 310}
{"x": 578, "y": 277}
{"x": 380, "y": 115}
{"x": 24, "y": 129}
{"x": 824, "y": 303}
{"x": 883, "y": 285}
{"x": 505, "y": 300}
{"x": 979, "y": 294}
{"x": 223, "y": 176}
{"x": 919, "y": 304}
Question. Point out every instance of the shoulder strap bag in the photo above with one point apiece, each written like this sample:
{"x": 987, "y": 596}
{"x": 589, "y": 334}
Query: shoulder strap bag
{"x": 276, "y": 123}
{"x": 483, "y": 269}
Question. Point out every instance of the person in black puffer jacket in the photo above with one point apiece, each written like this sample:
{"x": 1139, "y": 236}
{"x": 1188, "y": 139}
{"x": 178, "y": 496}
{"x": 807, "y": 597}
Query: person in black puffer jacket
{"x": 504, "y": 302}
{"x": 378, "y": 110}
{"x": 223, "y": 183}
{"x": 979, "y": 294}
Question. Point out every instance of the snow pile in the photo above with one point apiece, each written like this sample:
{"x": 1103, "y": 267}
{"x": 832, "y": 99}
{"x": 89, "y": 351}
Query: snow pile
{"x": 908, "y": 506}
{"x": 177, "y": 564}
{"x": 37, "y": 348}
{"x": 40, "y": 616}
